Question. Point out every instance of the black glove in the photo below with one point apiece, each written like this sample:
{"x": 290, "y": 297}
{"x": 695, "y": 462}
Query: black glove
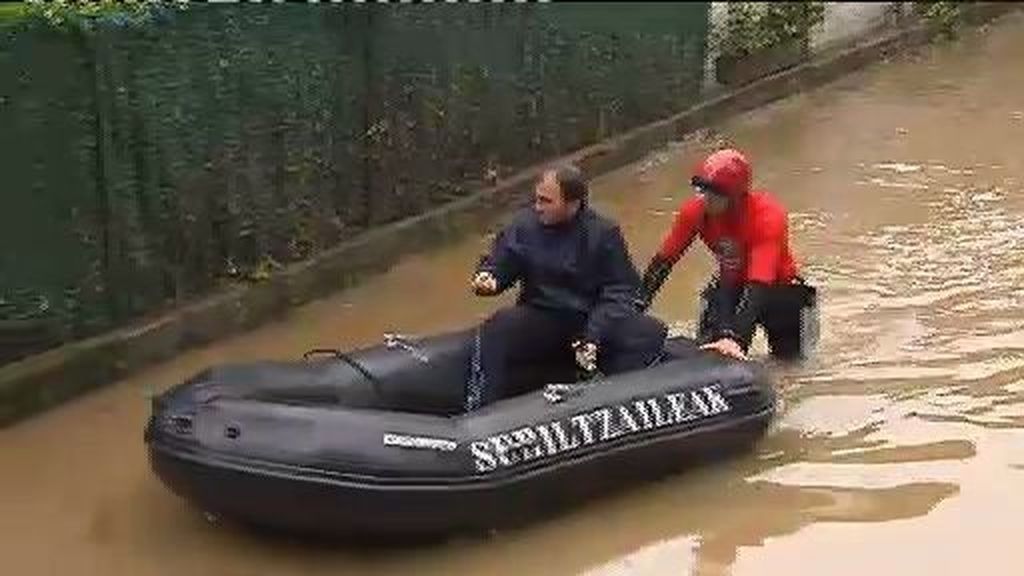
{"x": 655, "y": 274}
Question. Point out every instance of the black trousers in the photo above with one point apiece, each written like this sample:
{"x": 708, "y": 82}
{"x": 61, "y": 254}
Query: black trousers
{"x": 788, "y": 316}
{"x": 522, "y": 348}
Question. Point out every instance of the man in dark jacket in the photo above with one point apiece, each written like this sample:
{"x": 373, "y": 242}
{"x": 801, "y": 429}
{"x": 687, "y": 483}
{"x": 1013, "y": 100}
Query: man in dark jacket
{"x": 578, "y": 288}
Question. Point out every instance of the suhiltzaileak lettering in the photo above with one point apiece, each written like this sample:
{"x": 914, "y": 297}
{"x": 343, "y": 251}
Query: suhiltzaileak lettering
{"x": 599, "y": 426}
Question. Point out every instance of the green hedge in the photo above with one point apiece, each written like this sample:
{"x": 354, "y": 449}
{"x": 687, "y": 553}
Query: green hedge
{"x": 149, "y": 157}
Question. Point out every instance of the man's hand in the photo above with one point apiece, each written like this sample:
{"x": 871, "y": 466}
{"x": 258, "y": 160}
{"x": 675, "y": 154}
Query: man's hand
{"x": 586, "y": 355}
{"x": 484, "y": 284}
{"x": 726, "y": 346}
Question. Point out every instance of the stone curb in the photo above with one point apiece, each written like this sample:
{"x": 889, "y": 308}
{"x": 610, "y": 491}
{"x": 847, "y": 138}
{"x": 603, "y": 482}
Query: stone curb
{"x": 38, "y": 382}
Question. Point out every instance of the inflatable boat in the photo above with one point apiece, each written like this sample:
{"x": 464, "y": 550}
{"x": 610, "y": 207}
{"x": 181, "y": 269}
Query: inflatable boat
{"x": 376, "y": 441}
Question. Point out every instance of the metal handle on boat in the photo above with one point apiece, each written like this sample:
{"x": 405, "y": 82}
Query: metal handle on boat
{"x": 338, "y": 354}
{"x": 321, "y": 351}
{"x": 182, "y": 423}
{"x": 392, "y": 341}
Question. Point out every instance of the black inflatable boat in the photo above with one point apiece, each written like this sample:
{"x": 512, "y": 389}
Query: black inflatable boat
{"x": 375, "y": 442}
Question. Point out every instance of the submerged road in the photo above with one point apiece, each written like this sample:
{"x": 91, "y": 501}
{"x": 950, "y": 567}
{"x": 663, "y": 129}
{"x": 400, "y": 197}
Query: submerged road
{"x": 899, "y": 449}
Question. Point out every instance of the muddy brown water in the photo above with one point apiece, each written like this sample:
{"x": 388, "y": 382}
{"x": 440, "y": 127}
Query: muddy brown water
{"x": 899, "y": 449}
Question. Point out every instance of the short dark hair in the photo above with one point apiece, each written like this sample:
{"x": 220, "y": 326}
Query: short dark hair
{"x": 570, "y": 181}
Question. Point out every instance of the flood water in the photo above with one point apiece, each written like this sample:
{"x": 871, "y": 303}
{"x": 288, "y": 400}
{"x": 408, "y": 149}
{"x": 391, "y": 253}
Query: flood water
{"x": 899, "y": 449}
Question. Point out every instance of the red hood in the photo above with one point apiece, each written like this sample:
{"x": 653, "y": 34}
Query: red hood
{"x": 728, "y": 171}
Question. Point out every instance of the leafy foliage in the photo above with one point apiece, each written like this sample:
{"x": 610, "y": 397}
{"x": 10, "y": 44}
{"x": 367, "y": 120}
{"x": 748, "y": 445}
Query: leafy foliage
{"x": 942, "y": 17}
{"x": 754, "y": 26}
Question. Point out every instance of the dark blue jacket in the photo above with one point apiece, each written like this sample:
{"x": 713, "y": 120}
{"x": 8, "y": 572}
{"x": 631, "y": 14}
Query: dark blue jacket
{"x": 580, "y": 267}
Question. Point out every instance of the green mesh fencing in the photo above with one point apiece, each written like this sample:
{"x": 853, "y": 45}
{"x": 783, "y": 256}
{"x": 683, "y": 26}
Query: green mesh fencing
{"x": 149, "y": 158}
{"x": 51, "y": 256}
{"x": 231, "y": 141}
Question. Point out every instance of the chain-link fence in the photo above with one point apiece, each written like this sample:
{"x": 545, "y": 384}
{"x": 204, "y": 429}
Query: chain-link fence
{"x": 150, "y": 156}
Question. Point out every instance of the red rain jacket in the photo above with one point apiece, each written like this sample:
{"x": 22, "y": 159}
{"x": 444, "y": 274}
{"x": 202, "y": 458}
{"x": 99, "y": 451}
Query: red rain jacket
{"x": 750, "y": 240}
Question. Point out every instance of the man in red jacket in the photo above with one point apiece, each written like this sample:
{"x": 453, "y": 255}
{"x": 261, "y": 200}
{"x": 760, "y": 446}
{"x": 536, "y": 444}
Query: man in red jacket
{"x": 758, "y": 281}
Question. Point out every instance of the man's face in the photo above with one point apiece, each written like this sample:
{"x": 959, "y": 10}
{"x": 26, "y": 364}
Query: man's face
{"x": 715, "y": 204}
{"x": 548, "y": 202}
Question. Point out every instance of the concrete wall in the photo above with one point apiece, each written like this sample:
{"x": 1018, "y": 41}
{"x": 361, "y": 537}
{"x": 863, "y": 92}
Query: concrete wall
{"x": 845, "y": 23}
{"x": 716, "y": 18}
